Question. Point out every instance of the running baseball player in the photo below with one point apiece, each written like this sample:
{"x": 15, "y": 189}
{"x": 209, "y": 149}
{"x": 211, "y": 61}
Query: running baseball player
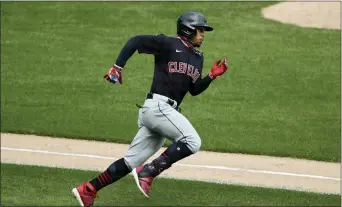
{"x": 177, "y": 71}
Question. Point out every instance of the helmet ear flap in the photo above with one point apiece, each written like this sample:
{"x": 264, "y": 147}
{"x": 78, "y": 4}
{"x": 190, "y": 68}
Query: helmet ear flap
{"x": 185, "y": 29}
{"x": 193, "y": 34}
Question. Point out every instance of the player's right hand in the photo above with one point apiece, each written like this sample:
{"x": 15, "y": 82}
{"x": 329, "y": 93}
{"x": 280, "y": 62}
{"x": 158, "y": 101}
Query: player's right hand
{"x": 218, "y": 68}
{"x": 114, "y": 74}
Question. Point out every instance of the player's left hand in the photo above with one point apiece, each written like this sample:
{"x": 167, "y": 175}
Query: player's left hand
{"x": 218, "y": 69}
{"x": 114, "y": 74}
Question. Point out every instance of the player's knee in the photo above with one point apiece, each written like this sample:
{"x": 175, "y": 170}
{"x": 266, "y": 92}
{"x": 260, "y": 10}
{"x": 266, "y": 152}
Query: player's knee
{"x": 194, "y": 143}
{"x": 198, "y": 144}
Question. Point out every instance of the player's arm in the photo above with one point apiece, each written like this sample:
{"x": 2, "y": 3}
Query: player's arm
{"x": 202, "y": 84}
{"x": 148, "y": 44}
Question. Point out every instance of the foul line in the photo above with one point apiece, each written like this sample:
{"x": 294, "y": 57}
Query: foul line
{"x": 185, "y": 165}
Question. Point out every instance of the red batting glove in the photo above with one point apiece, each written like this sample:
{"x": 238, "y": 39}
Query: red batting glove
{"x": 114, "y": 74}
{"x": 218, "y": 69}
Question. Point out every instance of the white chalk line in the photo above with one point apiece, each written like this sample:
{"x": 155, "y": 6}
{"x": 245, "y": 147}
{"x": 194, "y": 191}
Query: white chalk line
{"x": 196, "y": 179}
{"x": 179, "y": 164}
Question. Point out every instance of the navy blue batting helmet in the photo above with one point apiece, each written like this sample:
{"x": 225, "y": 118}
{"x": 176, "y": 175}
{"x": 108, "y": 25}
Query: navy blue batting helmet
{"x": 189, "y": 21}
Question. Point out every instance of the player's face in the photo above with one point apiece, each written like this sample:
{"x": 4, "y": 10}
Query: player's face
{"x": 199, "y": 37}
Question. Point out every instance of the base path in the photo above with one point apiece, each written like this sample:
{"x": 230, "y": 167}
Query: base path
{"x": 240, "y": 169}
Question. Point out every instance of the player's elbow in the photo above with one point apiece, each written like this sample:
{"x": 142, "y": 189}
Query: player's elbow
{"x": 194, "y": 92}
{"x": 133, "y": 40}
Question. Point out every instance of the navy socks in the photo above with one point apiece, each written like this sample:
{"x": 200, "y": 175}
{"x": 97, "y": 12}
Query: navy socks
{"x": 114, "y": 172}
{"x": 119, "y": 169}
{"x": 172, "y": 154}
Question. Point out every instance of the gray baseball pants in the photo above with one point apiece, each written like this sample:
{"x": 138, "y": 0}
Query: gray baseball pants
{"x": 158, "y": 121}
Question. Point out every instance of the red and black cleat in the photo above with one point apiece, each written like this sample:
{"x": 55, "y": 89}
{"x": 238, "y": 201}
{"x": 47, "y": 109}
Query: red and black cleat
{"x": 85, "y": 194}
{"x": 143, "y": 180}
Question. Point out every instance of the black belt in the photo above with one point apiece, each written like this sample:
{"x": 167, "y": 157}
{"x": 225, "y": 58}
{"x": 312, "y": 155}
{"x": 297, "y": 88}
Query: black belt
{"x": 169, "y": 101}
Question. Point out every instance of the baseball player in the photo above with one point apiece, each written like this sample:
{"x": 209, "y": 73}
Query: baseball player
{"x": 177, "y": 71}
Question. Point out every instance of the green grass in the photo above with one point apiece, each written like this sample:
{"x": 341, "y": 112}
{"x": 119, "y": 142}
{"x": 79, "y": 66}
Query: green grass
{"x": 281, "y": 95}
{"x": 42, "y": 186}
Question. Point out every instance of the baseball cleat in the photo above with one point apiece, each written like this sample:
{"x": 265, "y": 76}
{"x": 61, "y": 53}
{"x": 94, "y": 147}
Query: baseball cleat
{"x": 84, "y": 197}
{"x": 143, "y": 180}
